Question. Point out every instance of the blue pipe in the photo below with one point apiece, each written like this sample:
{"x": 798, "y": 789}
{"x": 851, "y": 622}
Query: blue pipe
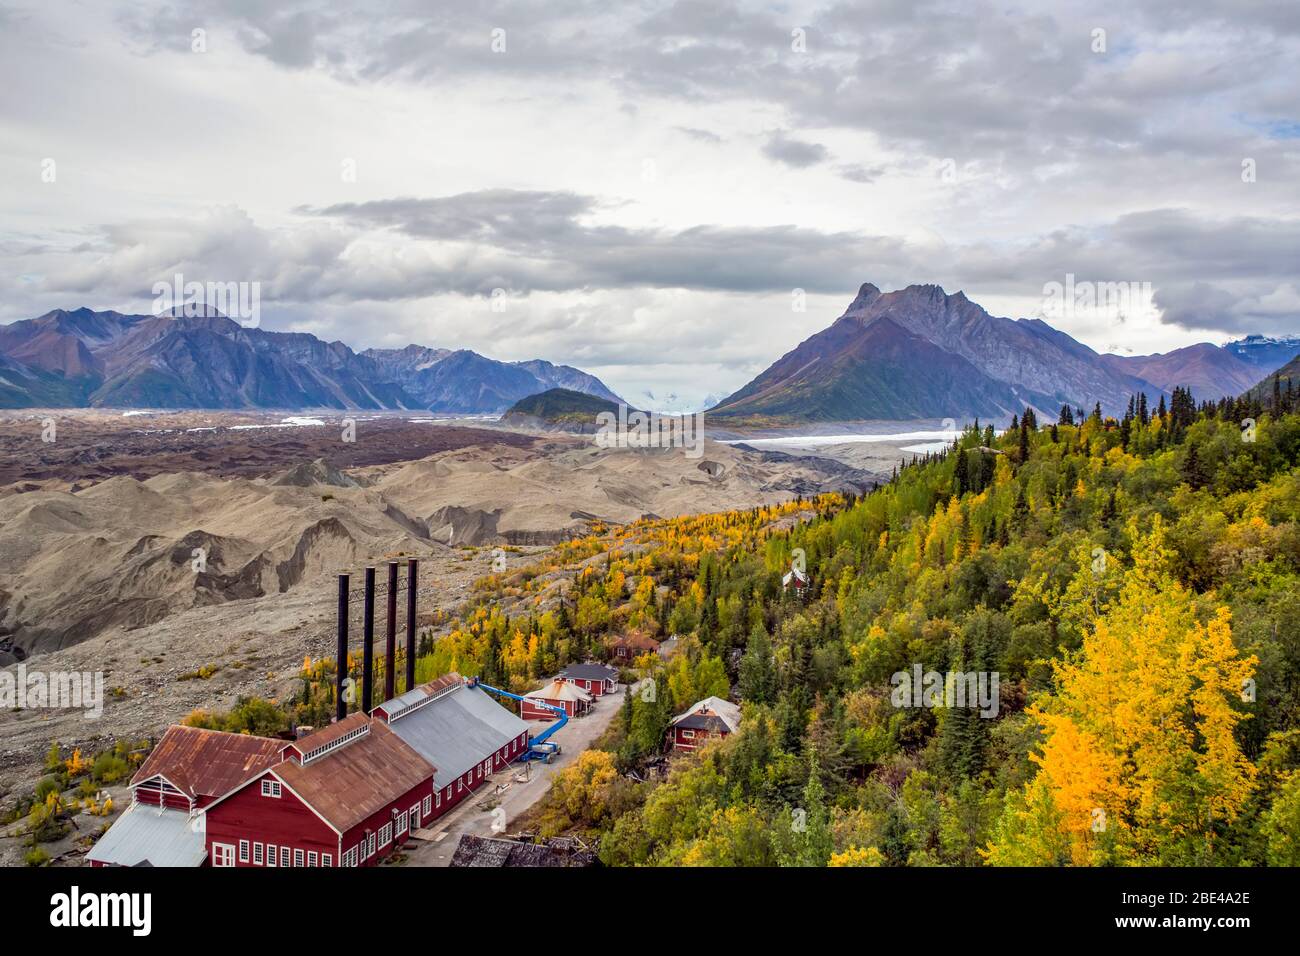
{"x": 545, "y": 734}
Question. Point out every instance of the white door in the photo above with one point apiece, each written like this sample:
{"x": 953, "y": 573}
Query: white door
{"x": 223, "y": 854}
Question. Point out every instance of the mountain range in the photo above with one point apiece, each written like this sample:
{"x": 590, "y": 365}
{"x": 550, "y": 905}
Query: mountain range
{"x": 1285, "y": 379}
{"x": 921, "y": 352}
{"x": 918, "y": 352}
{"x": 108, "y": 359}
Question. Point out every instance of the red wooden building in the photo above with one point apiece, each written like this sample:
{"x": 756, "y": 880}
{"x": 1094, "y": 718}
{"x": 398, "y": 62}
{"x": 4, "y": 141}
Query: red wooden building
{"x": 708, "y": 719}
{"x": 558, "y": 693}
{"x": 186, "y": 772}
{"x": 628, "y": 647}
{"x": 459, "y": 729}
{"x": 343, "y": 796}
{"x": 595, "y": 679}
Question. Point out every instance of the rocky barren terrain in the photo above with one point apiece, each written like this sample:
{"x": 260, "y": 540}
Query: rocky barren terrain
{"x": 151, "y": 547}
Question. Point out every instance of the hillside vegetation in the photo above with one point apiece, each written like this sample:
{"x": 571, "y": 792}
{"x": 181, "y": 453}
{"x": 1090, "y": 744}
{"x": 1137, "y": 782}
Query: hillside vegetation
{"x": 1135, "y": 585}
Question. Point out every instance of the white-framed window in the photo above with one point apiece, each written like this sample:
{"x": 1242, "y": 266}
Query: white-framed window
{"x": 243, "y": 851}
{"x": 370, "y": 846}
{"x": 311, "y": 857}
{"x": 446, "y": 794}
{"x": 385, "y": 835}
{"x": 271, "y": 856}
{"x": 460, "y": 785}
{"x": 297, "y": 857}
{"x": 415, "y": 816}
{"x": 270, "y": 788}
{"x": 401, "y": 823}
{"x": 427, "y": 805}
{"x": 284, "y": 856}
{"x": 350, "y": 857}
{"x": 257, "y": 854}
{"x": 326, "y": 859}
{"x": 688, "y": 735}
{"x": 223, "y": 854}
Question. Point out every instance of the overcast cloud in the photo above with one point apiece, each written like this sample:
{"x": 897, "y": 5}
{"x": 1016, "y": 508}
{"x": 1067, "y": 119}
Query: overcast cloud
{"x": 651, "y": 183}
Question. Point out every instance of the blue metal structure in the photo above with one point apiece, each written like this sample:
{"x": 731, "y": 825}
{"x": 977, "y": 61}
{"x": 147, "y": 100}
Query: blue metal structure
{"x": 538, "y": 748}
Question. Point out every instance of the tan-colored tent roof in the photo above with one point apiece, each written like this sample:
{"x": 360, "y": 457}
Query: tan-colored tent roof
{"x": 561, "y": 690}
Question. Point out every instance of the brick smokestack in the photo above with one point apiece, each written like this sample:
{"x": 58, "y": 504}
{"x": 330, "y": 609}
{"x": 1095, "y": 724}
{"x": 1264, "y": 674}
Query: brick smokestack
{"x": 412, "y": 571}
{"x": 390, "y": 635}
{"x": 341, "y": 653}
{"x": 368, "y": 652}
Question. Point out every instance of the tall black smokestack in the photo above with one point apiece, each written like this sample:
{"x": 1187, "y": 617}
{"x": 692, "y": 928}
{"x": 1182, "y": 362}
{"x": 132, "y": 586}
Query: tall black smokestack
{"x": 411, "y": 573}
{"x": 390, "y": 642}
{"x": 341, "y": 653}
{"x": 368, "y": 652}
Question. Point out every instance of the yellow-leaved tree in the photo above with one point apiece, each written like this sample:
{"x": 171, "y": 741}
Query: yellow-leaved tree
{"x": 1139, "y": 763}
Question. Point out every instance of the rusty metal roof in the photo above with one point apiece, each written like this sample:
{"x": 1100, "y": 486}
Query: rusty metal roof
{"x": 360, "y": 778}
{"x": 208, "y": 763}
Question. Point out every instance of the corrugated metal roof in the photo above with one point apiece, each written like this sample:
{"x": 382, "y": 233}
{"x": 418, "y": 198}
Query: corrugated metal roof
{"x": 458, "y": 731}
{"x": 146, "y": 834}
{"x": 484, "y": 707}
{"x": 208, "y": 763}
{"x": 359, "y": 779}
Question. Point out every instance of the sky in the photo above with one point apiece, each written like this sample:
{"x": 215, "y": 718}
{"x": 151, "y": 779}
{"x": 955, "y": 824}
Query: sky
{"x": 669, "y": 195}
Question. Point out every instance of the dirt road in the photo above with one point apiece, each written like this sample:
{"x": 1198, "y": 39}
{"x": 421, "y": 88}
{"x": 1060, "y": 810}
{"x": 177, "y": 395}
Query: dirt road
{"x": 475, "y": 815}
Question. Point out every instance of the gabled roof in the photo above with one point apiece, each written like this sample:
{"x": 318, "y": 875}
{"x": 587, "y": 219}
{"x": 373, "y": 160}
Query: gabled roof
{"x": 358, "y": 779}
{"x": 207, "y": 763}
{"x": 635, "y": 639}
{"x": 150, "y": 836}
{"x": 560, "y": 690}
{"x": 796, "y": 575}
{"x": 590, "y": 672}
{"x": 391, "y": 709}
{"x": 457, "y": 729}
{"x": 713, "y": 714}
{"x": 321, "y": 739}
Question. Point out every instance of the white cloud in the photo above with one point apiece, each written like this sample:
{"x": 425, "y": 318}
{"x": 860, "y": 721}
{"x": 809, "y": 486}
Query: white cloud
{"x": 664, "y": 173}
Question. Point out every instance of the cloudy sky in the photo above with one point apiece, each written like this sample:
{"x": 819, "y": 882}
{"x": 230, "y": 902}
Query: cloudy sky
{"x": 649, "y": 183}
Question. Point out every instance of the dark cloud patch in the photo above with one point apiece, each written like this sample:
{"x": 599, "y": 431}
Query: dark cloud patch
{"x": 977, "y": 79}
{"x": 799, "y": 154}
{"x": 546, "y": 241}
{"x": 702, "y": 135}
{"x": 857, "y": 173}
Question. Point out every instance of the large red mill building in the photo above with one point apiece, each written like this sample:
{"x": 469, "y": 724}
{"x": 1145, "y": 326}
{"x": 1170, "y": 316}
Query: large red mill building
{"x": 345, "y": 795}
